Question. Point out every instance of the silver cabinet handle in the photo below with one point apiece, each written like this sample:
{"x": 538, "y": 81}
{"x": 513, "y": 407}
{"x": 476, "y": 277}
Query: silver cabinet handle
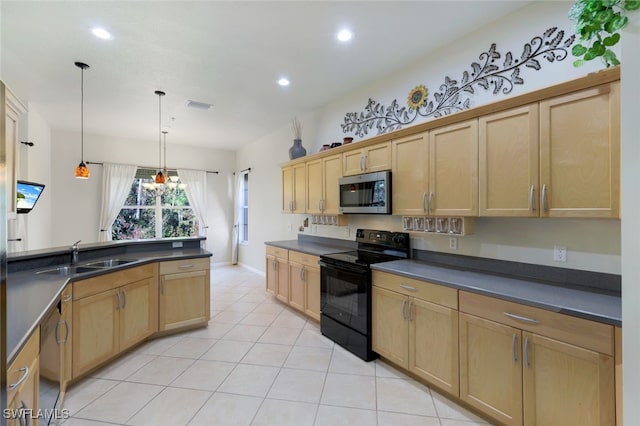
{"x": 410, "y": 310}
{"x": 25, "y": 415}
{"x": 521, "y": 318}
{"x": 365, "y": 162}
{"x": 543, "y": 196}
{"x": 430, "y": 202}
{"x": 304, "y": 274}
{"x": 66, "y": 335}
{"x": 361, "y": 159}
{"x": 320, "y": 205}
{"x": 124, "y": 299}
{"x": 408, "y": 287}
{"x": 424, "y": 201}
{"x": 189, "y": 266}
{"x": 162, "y": 285}
{"x": 66, "y": 298}
{"x": 118, "y": 306}
{"x": 404, "y": 315}
{"x": 532, "y": 203}
{"x": 526, "y": 351}
{"x": 514, "y": 353}
{"x": 25, "y": 373}
{"x": 55, "y": 333}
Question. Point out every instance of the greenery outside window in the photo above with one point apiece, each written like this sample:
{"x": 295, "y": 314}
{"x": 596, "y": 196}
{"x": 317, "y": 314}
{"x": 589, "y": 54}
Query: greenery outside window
{"x": 148, "y": 215}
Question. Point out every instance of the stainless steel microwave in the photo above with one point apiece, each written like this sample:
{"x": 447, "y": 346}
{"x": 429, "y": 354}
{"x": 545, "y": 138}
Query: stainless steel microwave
{"x": 366, "y": 193}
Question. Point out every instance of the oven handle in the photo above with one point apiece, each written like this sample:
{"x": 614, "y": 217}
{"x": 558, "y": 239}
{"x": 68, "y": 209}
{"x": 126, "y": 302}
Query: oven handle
{"x": 344, "y": 267}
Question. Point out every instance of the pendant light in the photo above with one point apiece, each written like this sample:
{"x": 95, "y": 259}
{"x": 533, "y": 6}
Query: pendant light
{"x": 159, "y": 179}
{"x": 82, "y": 171}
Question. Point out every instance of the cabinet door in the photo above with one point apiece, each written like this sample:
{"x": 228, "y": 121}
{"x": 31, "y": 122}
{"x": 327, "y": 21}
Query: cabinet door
{"x": 312, "y": 294}
{"x": 352, "y": 162}
{"x": 287, "y": 190}
{"x": 65, "y": 337}
{"x": 138, "y": 312}
{"x": 314, "y": 186}
{"x": 580, "y": 153}
{"x": 299, "y": 188}
{"x": 23, "y": 408}
{"x": 491, "y": 368}
{"x": 433, "y": 344}
{"x": 184, "y": 299}
{"x": 565, "y": 384}
{"x": 453, "y": 169}
{"x": 410, "y": 157}
{"x": 508, "y": 162}
{"x": 331, "y": 176}
{"x": 13, "y": 108}
{"x": 271, "y": 274}
{"x": 296, "y": 286}
{"x": 282, "y": 288}
{"x": 389, "y": 326}
{"x": 96, "y": 330}
{"x": 377, "y": 157}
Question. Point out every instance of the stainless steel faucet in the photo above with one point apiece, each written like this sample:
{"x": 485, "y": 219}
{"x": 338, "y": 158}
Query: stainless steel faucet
{"x": 74, "y": 253}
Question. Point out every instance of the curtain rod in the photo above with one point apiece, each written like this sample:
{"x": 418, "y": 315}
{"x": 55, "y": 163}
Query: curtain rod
{"x": 248, "y": 169}
{"x": 149, "y": 167}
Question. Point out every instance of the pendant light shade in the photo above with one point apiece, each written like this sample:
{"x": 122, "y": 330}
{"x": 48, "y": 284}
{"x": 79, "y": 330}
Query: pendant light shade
{"x": 82, "y": 171}
{"x": 159, "y": 179}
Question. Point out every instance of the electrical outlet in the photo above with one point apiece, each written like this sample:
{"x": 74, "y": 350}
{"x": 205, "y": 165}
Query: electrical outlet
{"x": 289, "y": 227}
{"x": 453, "y": 243}
{"x": 560, "y": 253}
{"x": 176, "y": 244}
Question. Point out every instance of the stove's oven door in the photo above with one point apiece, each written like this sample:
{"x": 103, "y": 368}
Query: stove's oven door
{"x": 345, "y": 293}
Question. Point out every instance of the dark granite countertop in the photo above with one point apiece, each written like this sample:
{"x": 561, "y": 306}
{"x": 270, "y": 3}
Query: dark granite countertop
{"x": 591, "y": 305}
{"x": 314, "y": 248}
{"x": 30, "y": 296}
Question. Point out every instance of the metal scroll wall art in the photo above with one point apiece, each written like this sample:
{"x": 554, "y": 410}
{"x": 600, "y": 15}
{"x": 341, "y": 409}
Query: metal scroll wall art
{"x": 492, "y": 72}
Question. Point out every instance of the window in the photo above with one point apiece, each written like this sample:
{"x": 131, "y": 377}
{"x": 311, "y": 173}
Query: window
{"x": 244, "y": 206}
{"x": 147, "y": 215}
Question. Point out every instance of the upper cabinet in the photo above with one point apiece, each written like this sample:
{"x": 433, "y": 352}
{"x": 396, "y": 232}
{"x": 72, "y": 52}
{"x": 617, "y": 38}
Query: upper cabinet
{"x": 372, "y": 158}
{"x": 453, "y": 170}
{"x": 580, "y": 153}
{"x": 323, "y": 177}
{"x": 293, "y": 189}
{"x": 12, "y": 110}
{"x": 410, "y": 174}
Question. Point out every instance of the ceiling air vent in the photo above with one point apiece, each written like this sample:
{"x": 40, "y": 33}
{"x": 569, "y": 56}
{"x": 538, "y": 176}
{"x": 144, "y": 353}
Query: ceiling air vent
{"x": 198, "y": 105}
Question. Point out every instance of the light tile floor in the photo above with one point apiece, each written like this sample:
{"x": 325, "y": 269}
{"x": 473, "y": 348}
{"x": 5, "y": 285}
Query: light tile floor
{"x": 257, "y": 363}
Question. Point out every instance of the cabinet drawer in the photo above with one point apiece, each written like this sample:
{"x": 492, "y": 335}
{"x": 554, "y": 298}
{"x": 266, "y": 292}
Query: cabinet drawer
{"x": 576, "y": 331}
{"x": 24, "y": 360}
{"x": 111, "y": 280}
{"x": 430, "y": 292}
{"x": 304, "y": 259}
{"x": 278, "y": 252}
{"x": 184, "y": 265}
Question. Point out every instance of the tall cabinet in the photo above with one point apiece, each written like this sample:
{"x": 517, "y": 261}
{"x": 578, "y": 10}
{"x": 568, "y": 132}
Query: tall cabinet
{"x": 12, "y": 109}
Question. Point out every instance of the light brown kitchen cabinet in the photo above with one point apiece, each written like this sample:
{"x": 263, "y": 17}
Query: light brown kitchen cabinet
{"x": 410, "y": 157}
{"x": 580, "y": 153}
{"x": 184, "y": 293}
{"x": 65, "y": 338}
{"x": 312, "y": 293}
{"x": 415, "y": 326}
{"x": 111, "y": 312}
{"x": 293, "y": 188}
{"x": 323, "y": 175}
{"x": 23, "y": 383}
{"x": 453, "y": 170}
{"x": 277, "y": 267}
{"x": 509, "y": 163}
{"x": 304, "y": 283}
{"x": 372, "y": 158}
{"x": 524, "y": 365}
{"x": 12, "y": 109}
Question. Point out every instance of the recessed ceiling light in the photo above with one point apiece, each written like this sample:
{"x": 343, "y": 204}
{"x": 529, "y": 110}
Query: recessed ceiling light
{"x": 284, "y": 82}
{"x": 344, "y": 35}
{"x": 101, "y": 33}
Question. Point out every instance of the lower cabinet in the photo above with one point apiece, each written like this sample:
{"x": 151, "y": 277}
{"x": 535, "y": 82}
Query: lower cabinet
{"x": 184, "y": 293}
{"x": 415, "y": 326}
{"x": 22, "y": 384}
{"x": 112, "y": 312}
{"x": 277, "y": 267}
{"x": 513, "y": 373}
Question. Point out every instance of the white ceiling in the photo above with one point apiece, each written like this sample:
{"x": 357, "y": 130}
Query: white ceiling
{"x": 229, "y": 54}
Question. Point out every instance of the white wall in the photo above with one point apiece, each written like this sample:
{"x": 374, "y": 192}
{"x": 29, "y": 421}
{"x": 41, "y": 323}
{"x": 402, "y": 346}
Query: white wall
{"x": 76, "y": 203}
{"x": 592, "y": 244}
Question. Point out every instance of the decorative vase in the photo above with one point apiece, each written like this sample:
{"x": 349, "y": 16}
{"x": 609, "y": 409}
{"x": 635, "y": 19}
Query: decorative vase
{"x": 297, "y": 150}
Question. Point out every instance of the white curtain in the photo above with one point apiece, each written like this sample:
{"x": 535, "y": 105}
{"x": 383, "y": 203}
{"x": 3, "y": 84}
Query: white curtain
{"x": 237, "y": 211}
{"x": 196, "y": 191}
{"x": 116, "y": 184}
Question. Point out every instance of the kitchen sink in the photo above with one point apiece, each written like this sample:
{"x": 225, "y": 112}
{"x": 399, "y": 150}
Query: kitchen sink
{"x": 69, "y": 270}
{"x": 109, "y": 263}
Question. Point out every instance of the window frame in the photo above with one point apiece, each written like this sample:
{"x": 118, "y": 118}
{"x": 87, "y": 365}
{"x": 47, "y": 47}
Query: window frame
{"x": 243, "y": 231}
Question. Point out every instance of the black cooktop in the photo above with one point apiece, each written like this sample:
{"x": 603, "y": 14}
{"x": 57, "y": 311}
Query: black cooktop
{"x": 374, "y": 247}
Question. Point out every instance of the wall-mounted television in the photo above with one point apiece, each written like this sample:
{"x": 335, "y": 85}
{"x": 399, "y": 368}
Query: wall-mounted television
{"x": 27, "y": 195}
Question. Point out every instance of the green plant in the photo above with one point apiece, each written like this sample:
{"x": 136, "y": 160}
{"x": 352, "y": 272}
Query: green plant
{"x": 598, "y": 23}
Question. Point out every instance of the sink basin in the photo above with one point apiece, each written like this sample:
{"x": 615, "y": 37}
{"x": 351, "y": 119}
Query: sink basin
{"x": 69, "y": 270}
{"x": 109, "y": 263}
